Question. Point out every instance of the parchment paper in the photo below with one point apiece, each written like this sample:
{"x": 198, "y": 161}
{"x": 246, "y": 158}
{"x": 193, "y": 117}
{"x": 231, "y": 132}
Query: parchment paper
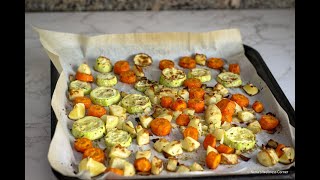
{"x": 67, "y": 51}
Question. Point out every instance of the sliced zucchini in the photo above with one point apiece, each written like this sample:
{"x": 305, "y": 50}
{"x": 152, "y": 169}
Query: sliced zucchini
{"x": 204, "y": 75}
{"x": 250, "y": 89}
{"x": 105, "y": 96}
{"x": 80, "y": 85}
{"x": 239, "y": 138}
{"x": 142, "y": 59}
{"x": 118, "y": 137}
{"x": 84, "y": 68}
{"x": 135, "y": 103}
{"x": 89, "y": 127}
{"x": 172, "y": 77}
{"x": 200, "y": 59}
{"x": 103, "y": 64}
{"x": 143, "y": 84}
{"x": 229, "y": 79}
{"x": 106, "y": 80}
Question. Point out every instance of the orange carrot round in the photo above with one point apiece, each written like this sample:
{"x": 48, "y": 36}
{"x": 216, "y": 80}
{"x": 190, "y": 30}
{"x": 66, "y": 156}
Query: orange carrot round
{"x": 96, "y": 110}
{"x": 191, "y": 132}
{"x": 240, "y": 99}
{"x": 165, "y": 63}
{"x": 82, "y": 144}
{"x": 160, "y": 126}
{"x": 192, "y": 83}
{"x": 209, "y": 140}
{"x": 196, "y": 93}
{"x": 187, "y": 62}
{"x": 95, "y": 153}
{"x": 268, "y": 122}
{"x": 196, "y": 104}
{"x": 128, "y": 77}
{"x": 84, "y": 77}
{"x": 121, "y": 66}
{"x": 213, "y": 160}
{"x": 225, "y": 149}
{"x": 227, "y": 108}
{"x": 183, "y": 120}
{"x": 166, "y": 101}
{"x": 178, "y": 105}
{"x": 85, "y": 100}
{"x": 234, "y": 68}
{"x": 257, "y": 106}
{"x": 279, "y": 149}
{"x": 142, "y": 164}
{"x": 115, "y": 170}
{"x": 215, "y": 63}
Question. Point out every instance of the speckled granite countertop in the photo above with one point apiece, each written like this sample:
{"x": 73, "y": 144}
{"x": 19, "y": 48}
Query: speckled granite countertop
{"x": 271, "y": 32}
{"x": 119, "y": 5}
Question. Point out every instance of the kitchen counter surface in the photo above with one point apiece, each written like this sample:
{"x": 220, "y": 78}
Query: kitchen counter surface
{"x": 270, "y": 32}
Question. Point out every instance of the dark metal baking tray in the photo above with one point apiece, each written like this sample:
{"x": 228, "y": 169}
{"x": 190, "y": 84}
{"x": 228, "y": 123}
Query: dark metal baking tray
{"x": 263, "y": 72}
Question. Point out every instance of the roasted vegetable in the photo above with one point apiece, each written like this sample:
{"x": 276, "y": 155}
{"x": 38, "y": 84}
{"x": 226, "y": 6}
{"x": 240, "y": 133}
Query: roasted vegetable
{"x": 142, "y": 59}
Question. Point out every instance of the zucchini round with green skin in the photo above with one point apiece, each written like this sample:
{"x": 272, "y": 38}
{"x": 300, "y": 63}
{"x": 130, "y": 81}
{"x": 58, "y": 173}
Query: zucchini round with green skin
{"x": 239, "y": 138}
{"x": 143, "y": 84}
{"x": 80, "y": 85}
{"x": 135, "y": 103}
{"x": 89, "y": 127}
{"x": 104, "y": 96}
{"x": 118, "y": 137}
{"x": 142, "y": 60}
{"x": 103, "y": 64}
{"x": 204, "y": 75}
{"x": 229, "y": 79}
{"x": 172, "y": 77}
{"x": 106, "y": 80}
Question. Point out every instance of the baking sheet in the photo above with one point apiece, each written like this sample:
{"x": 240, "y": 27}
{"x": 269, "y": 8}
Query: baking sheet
{"x": 67, "y": 51}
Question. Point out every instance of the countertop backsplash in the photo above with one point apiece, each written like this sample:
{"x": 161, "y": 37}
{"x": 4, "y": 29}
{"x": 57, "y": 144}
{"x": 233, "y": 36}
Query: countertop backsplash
{"x": 152, "y": 5}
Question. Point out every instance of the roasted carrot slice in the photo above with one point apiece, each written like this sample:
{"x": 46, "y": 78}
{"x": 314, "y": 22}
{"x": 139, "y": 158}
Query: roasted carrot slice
{"x": 225, "y": 149}
{"x": 165, "y": 63}
{"x": 191, "y": 132}
{"x": 82, "y": 144}
{"x": 196, "y": 93}
{"x": 95, "y": 153}
{"x": 128, "y": 77}
{"x": 115, "y": 170}
{"x": 279, "y": 149}
{"x": 240, "y": 99}
{"x": 183, "y": 120}
{"x": 187, "y": 62}
{"x": 85, "y": 100}
{"x": 235, "y": 68}
{"x": 227, "y": 108}
{"x": 257, "y": 106}
{"x": 192, "y": 83}
{"x": 142, "y": 164}
{"x": 166, "y": 101}
{"x": 215, "y": 63}
{"x": 179, "y": 105}
{"x": 213, "y": 160}
{"x": 84, "y": 77}
{"x": 196, "y": 104}
{"x": 160, "y": 126}
{"x": 121, "y": 66}
{"x": 96, "y": 110}
{"x": 209, "y": 140}
{"x": 268, "y": 122}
